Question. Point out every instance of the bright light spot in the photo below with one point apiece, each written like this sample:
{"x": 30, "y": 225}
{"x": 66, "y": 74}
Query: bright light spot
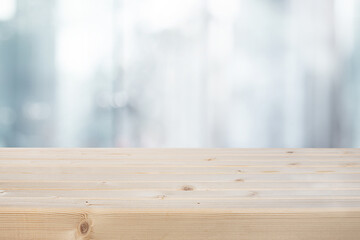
{"x": 223, "y": 9}
{"x": 7, "y": 9}
{"x": 158, "y": 15}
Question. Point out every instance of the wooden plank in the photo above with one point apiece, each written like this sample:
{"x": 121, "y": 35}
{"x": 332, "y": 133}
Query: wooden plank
{"x": 170, "y": 186}
{"x": 189, "y": 193}
{"x": 186, "y": 178}
{"x": 179, "y": 225}
{"x": 179, "y": 194}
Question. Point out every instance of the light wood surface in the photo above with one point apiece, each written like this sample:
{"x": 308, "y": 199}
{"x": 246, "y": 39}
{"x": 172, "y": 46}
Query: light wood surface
{"x": 179, "y": 194}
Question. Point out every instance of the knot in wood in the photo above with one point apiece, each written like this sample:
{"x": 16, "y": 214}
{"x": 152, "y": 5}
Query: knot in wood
{"x": 187, "y": 188}
{"x": 84, "y": 227}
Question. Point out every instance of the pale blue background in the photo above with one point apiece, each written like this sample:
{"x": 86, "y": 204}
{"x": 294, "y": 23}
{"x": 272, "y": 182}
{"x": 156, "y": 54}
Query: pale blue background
{"x": 179, "y": 73}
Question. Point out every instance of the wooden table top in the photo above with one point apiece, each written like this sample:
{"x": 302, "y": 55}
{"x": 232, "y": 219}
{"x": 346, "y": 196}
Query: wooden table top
{"x": 179, "y": 193}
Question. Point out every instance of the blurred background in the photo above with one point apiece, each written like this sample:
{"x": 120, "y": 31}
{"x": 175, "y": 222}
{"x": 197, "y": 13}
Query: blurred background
{"x": 179, "y": 73}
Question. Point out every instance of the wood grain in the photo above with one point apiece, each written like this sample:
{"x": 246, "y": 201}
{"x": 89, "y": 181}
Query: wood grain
{"x": 179, "y": 194}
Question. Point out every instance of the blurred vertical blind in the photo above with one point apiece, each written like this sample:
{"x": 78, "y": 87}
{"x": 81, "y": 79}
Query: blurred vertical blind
{"x": 179, "y": 73}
